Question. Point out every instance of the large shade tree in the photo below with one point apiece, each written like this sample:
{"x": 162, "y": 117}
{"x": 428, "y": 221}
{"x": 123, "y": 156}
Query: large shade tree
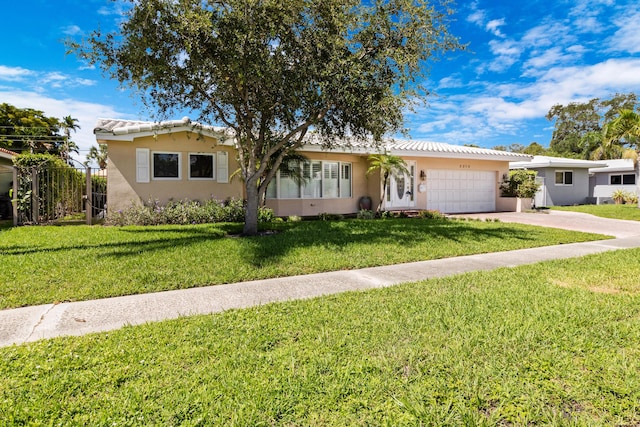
{"x": 579, "y": 126}
{"x": 276, "y": 70}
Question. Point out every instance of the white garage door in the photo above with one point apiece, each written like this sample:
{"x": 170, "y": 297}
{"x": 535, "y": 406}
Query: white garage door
{"x": 461, "y": 191}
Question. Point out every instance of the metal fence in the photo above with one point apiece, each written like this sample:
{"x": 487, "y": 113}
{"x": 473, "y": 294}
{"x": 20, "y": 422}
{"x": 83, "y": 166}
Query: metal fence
{"x": 49, "y": 195}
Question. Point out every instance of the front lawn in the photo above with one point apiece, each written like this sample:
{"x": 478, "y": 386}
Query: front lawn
{"x": 556, "y": 343}
{"x": 630, "y": 212}
{"x": 55, "y": 264}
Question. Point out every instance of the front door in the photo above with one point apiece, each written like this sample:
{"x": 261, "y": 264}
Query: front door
{"x": 401, "y": 191}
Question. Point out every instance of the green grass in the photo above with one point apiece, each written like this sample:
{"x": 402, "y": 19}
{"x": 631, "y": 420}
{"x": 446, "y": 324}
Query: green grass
{"x": 556, "y": 343}
{"x": 55, "y": 264}
{"x": 630, "y": 212}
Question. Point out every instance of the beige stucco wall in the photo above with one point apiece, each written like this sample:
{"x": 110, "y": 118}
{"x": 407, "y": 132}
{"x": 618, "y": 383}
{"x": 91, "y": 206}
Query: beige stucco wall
{"x": 370, "y": 186}
{"x": 123, "y": 190}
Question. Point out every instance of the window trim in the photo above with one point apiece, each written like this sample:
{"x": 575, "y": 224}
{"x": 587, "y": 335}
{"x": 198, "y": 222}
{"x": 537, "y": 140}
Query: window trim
{"x": 622, "y": 176}
{"x": 276, "y": 181}
{"x": 564, "y": 178}
{"x": 163, "y": 178}
{"x": 213, "y": 165}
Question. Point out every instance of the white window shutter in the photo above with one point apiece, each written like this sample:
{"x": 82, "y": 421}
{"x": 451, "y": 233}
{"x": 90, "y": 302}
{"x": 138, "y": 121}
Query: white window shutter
{"x": 142, "y": 165}
{"x": 222, "y": 163}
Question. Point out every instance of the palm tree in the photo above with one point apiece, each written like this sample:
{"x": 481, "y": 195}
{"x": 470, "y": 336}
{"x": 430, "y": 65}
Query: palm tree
{"x": 67, "y": 125}
{"x": 389, "y": 165}
{"x": 99, "y": 155}
{"x": 625, "y": 129}
{"x": 598, "y": 145}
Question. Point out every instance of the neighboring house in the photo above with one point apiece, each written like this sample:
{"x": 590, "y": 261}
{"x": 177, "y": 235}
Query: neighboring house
{"x": 183, "y": 160}
{"x": 618, "y": 174}
{"x": 6, "y": 180}
{"x": 563, "y": 181}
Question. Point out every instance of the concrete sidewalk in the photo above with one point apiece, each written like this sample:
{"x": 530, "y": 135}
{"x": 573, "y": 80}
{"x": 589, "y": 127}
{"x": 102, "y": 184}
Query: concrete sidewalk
{"x": 27, "y": 324}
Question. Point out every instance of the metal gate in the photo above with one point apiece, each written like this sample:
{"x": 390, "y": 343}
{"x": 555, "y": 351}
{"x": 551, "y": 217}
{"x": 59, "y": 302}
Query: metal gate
{"x": 47, "y": 194}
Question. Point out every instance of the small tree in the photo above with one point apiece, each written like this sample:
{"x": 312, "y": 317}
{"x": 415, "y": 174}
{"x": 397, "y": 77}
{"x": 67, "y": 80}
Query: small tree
{"x": 388, "y": 165}
{"x": 520, "y": 183}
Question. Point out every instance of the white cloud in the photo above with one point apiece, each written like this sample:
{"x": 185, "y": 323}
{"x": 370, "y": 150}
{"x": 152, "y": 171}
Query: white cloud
{"x": 507, "y": 53}
{"x": 13, "y": 73}
{"x": 494, "y": 25}
{"x": 476, "y": 16}
{"x": 42, "y": 81}
{"x": 627, "y": 37}
{"x": 72, "y": 30}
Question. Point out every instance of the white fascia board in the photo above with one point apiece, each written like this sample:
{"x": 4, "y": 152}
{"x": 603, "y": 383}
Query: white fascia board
{"x": 454, "y": 155}
{"x": 106, "y": 136}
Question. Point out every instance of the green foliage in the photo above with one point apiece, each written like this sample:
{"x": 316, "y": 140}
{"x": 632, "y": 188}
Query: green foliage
{"x": 614, "y": 211}
{"x": 28, "y": 130}
{"x": 387, "y": 165}
{"x": 37, "y": 261}
{"x": 277, "y": 69}
{"x": 626, "y": 197}
{"x": 520, "y": 183}
{"x": 431, "y": 214}
{"x": 576, "y": 123}
{"x": 556, "y": 343}
{"x": 98, "y": 155}
{"x": 619, "y": 196}
{"x": 325, "y": 216}
{"x": 184, "y": 212}
{"x": 366, "y": 214}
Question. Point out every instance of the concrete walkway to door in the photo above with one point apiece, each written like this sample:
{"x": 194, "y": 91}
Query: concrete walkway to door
{"x": 28, "y": 324}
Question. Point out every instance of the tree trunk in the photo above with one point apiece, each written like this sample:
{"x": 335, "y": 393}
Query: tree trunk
{"x": 251, "y": 209}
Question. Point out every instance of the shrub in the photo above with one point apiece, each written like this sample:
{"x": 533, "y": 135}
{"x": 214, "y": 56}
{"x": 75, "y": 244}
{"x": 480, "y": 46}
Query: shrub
{"x": 431, "y": 214}
{"x": 631, "y": 199}
{"x": 520, "y": 183}
{"x": 325, "y": 216}
{"x": 185, "y": 212}
{"x": 366, "y": 214}
{"x": 619, "y": 196}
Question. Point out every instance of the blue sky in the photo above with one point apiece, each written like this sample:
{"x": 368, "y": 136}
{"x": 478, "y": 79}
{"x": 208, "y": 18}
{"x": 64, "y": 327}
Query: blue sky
{"x": 523, "y": 57}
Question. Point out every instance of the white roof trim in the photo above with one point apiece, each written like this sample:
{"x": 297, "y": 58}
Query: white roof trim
{"x": 617, "y": 165}
{"x": 556, "y": 162}
{"x": 128, "y": 130}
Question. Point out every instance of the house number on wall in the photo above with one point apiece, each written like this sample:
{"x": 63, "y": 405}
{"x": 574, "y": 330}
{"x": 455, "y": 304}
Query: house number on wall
{"x": 465, "y": 166}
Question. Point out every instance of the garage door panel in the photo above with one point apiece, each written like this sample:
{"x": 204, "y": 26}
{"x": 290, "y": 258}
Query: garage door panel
{"x": 454, "y": 191}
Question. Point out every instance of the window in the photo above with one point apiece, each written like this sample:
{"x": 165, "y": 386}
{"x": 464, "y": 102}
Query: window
{"x": 564, "y": 178}
{"x": 202, "y": 166}
{"x": 330, "y": 184}
{"x": 624, "y": 179}
{"x": 319, "y": 180}
{"x": 345, "y": 180}
{"x": 166, "y": 165}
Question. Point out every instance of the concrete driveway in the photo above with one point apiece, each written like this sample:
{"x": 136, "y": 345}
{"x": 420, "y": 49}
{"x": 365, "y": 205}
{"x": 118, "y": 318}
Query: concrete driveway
{"x": 575, "y": 221}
